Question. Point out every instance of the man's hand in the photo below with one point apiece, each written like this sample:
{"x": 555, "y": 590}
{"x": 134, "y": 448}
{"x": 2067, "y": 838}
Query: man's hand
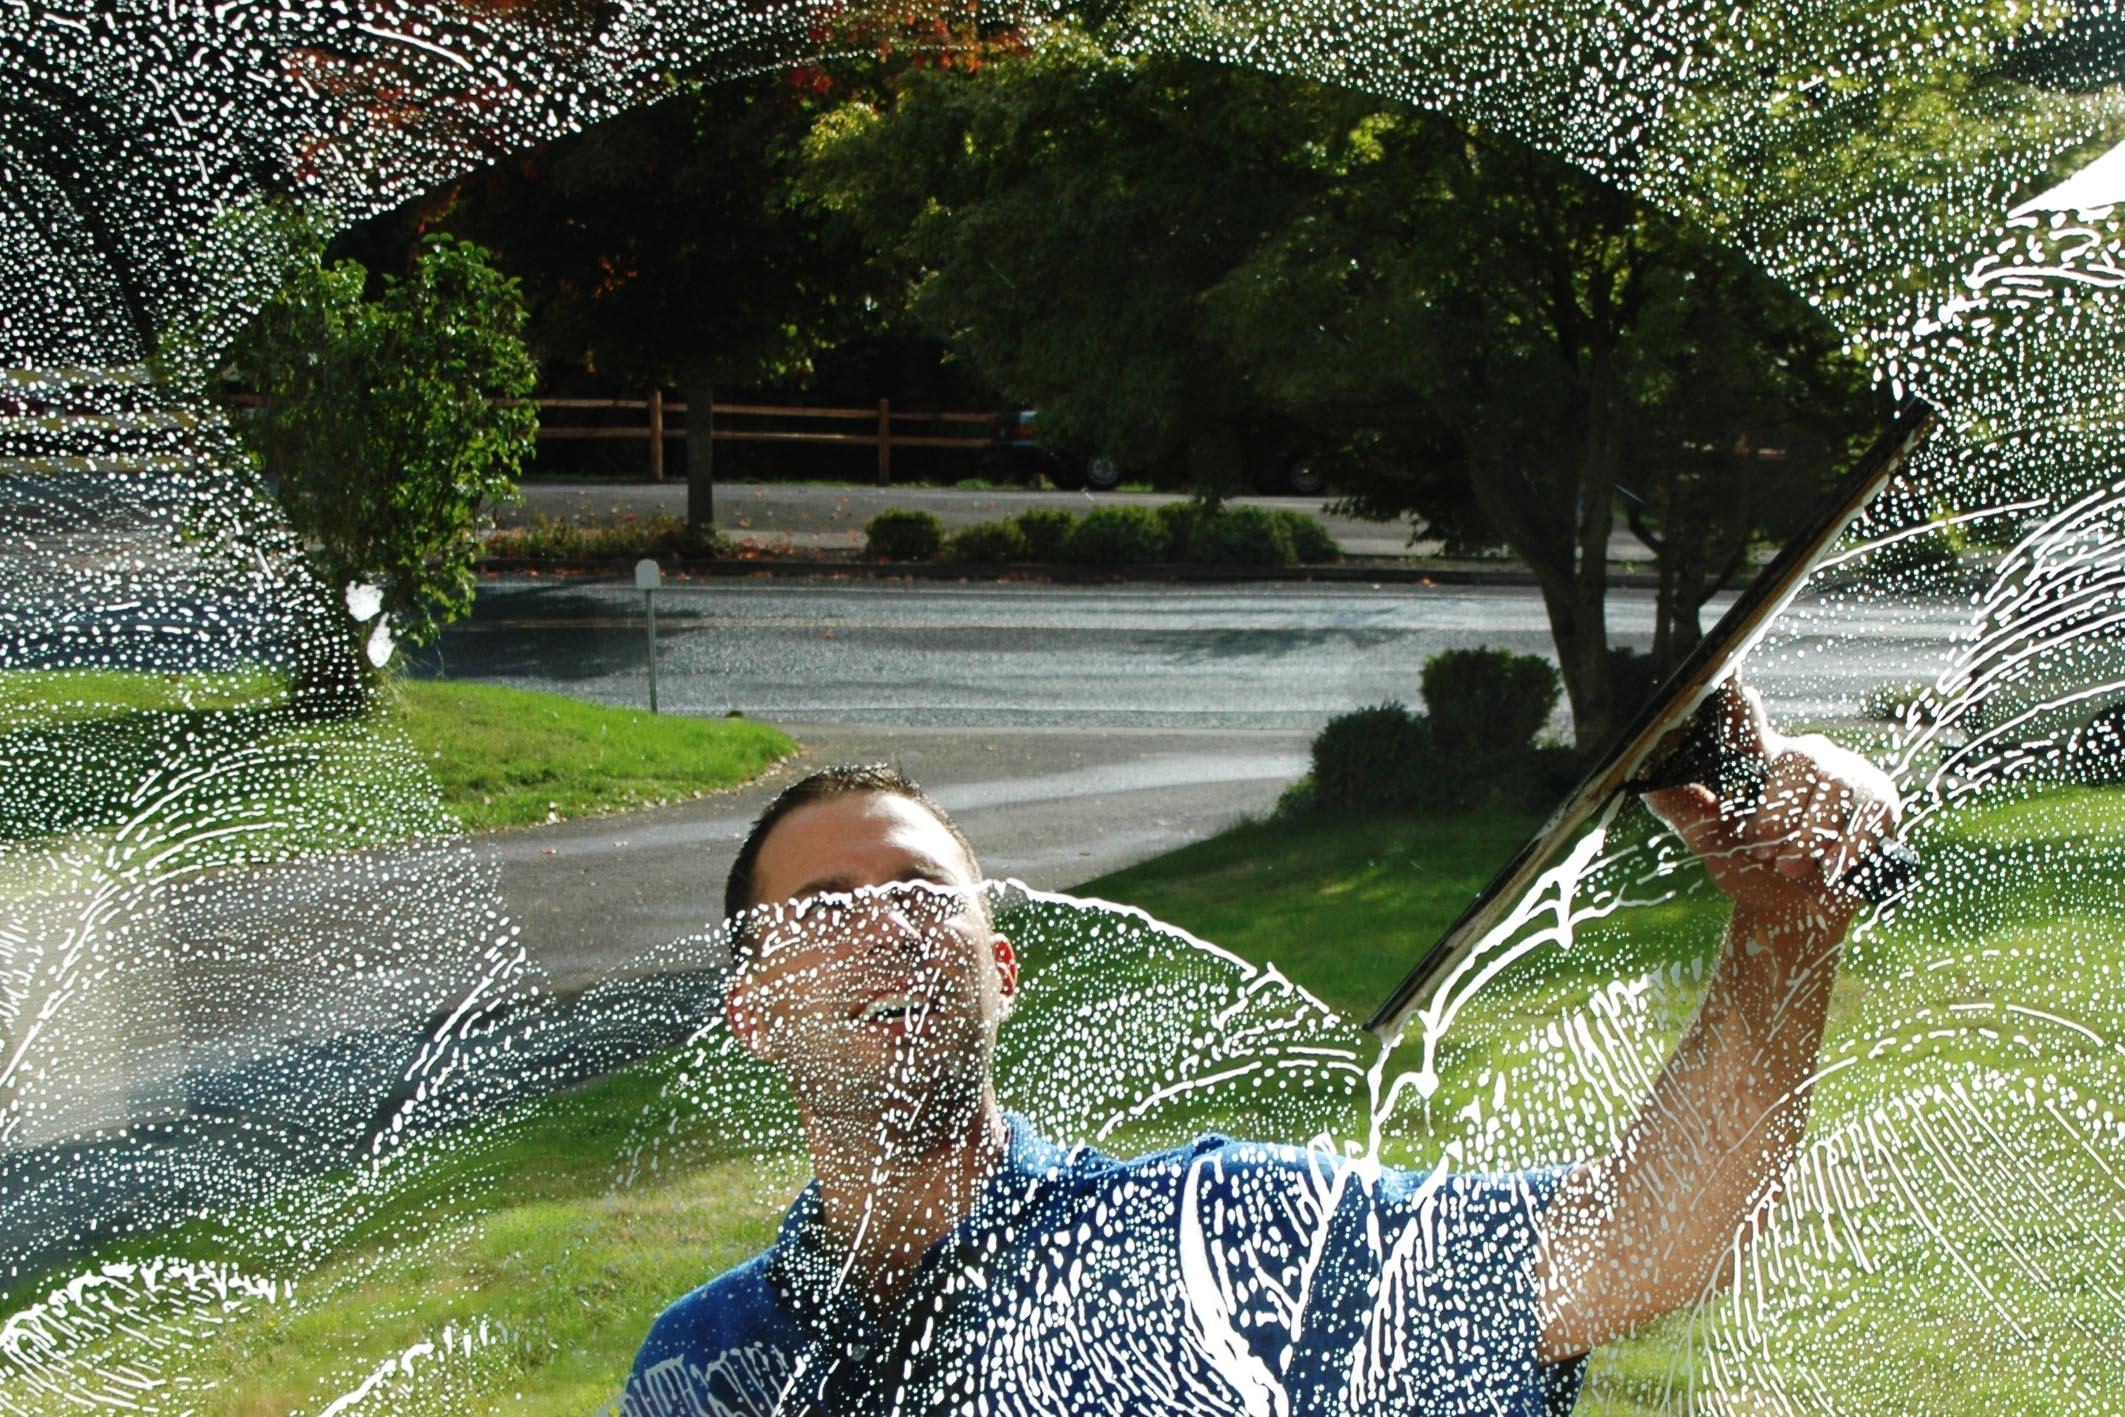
{"x": 1824, "y": 809}
{"x": 1663, "y": 1219}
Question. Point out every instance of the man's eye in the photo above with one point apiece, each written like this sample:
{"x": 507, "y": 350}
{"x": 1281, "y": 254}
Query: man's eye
{"x": 935, "y": 899}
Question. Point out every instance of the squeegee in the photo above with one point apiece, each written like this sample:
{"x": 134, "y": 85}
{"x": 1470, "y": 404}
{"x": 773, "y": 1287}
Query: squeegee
{"x": 1680, "y": 735}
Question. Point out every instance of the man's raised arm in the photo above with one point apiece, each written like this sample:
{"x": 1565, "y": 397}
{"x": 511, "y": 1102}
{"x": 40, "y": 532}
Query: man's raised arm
{"x": 1658, "y": 1223}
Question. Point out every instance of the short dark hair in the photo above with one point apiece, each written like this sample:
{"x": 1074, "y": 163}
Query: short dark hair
{"x": 841, "y": 780}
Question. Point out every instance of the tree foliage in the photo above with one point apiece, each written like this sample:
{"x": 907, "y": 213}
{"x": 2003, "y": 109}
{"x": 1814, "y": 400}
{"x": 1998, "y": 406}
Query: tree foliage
{"x": 661, "y": 246}
{"x": 668, "y": 247}
{"x": 1058, "y": 216}
{"x": 377, "y": 426}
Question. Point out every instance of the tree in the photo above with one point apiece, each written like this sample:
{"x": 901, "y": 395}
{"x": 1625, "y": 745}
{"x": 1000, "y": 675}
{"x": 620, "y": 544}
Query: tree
{"x": 1511, "y": 347}
{"x": 662, "y": 248}
{"x": 1058, "y": 215}
{"x": 378, "y": 424}
{"x": 1751, "y": 410}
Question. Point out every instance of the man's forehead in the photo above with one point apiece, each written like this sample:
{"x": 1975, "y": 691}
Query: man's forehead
{"x": 861, "y": 834}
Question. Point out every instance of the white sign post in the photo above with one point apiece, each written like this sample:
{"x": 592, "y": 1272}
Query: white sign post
{"x": 647, "y": 579}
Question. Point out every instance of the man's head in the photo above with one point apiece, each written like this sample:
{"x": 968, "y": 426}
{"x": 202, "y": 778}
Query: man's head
{"x": 869, "y": 967}
{"x": 741, "y": 891}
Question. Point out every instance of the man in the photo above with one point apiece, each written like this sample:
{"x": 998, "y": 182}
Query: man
{"x": 946, "y": 1258}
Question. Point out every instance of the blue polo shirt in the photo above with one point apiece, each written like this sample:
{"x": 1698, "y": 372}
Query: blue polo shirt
{"x": 1220, "y": 1277}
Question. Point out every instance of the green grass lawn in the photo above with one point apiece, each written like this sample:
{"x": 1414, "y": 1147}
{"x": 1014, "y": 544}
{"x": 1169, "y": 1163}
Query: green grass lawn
{"x": 2010, "y": 922}
{"x": 1342, "y": 905}
{"x": 544, "y": 1229}
{"x": 506, "y": 757}
{"x": 86, "y": 751}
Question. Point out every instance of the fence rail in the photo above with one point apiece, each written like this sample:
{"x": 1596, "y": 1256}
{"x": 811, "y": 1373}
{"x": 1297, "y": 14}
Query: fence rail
{"x": 880, "y": 434}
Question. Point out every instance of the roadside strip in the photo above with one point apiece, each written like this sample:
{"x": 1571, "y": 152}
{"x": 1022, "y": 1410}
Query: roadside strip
{"x": 1390, "y": 572}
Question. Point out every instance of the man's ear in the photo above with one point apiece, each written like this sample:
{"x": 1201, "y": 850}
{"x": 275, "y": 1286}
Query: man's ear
{"x": 741, "y": 1010}
{"x": 1006, "y": 970}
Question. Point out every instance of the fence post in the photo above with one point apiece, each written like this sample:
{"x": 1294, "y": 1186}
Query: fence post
{"x": 656, "y": 435}
{"x": 885, "y": 441}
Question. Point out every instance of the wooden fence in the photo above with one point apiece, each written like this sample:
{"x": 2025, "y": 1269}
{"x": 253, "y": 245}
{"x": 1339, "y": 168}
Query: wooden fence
{"x": 878, "y": 434}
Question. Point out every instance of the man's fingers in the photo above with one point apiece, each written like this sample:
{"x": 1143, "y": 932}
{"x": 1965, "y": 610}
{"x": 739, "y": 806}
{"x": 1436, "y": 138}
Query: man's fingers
{"x": 1872, "y": 824}
{"x": 1839, "y": 826}
{"x": 1692, "y": 812}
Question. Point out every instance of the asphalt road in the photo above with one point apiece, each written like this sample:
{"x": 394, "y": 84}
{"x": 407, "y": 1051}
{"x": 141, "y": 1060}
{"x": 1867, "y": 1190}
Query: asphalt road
{"x": 1077, "y": 730}
{"x": 940, "y": 655}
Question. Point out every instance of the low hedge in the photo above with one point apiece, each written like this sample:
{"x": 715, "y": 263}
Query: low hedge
{"x": 1246, "y": 536}
{"x": 1181, "y": 519}
{"x": 1310, "y": 540}
{"x": 1112, "y": 536}
{"x": 1118, "y": 536}
{"x": 1242, "y": 536}
{"x": 904, "y": 536}
{"x": 986, "y": 543}
{"x": 559, "y": 539}
{"x": 1045, "y": 530}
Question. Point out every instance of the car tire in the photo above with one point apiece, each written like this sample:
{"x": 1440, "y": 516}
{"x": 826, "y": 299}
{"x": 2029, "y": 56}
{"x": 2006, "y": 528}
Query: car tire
{"x": 1302, "y": 478}
{"x": 1102, "y": 473}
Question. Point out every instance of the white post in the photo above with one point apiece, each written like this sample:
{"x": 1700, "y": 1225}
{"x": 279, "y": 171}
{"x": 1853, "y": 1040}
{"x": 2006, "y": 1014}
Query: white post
{"x": 647, "y": 578}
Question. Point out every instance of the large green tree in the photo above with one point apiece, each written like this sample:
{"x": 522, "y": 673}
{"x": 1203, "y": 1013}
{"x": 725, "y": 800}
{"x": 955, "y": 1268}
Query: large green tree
{"x": 662, "y": 248}
{"x": 1057, "y": 216}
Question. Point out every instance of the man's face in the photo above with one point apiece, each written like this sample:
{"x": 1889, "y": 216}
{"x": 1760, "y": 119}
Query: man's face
{"x": 879, "y": 983}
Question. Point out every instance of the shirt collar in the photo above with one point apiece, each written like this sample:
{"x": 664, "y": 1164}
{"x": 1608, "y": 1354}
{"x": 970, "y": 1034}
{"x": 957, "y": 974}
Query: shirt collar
{"x": 809, "y": 1272}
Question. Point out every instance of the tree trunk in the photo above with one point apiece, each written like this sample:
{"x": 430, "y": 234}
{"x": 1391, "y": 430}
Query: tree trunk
{"x": 331, "y": 679}
{"x": 1573, "y": 581}
{"x": 699, "y": 391}
{"x": 1586, "y": 664}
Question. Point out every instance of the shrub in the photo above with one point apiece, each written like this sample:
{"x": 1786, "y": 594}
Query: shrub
{"x": 1536, "y": 777}
{"x": 904, "y": 536}
{"x": 1913, "y": 557}
{"x": 1373, "y": 758}
{"x": 1387, "y": 758}
{"x": 1297, "y": 799}
{"x": 557, "y": 538}
{"x": 1117, "y": 536}
{"x": 2095, "y": 752}
{"x": 1918, "y": 557}
{"x": 986, "y": 542}
{"x": 1181, "y": 519}
{"x": 1045, "y": 531}
{"x": 1310, "y": 540}
{"x": 1242, "y": 536}
{"x": 390, "y": 424}
{"x": 1485, "y": 701}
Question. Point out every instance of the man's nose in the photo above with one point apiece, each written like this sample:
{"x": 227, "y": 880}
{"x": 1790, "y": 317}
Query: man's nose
{"x": 889, "y": 918}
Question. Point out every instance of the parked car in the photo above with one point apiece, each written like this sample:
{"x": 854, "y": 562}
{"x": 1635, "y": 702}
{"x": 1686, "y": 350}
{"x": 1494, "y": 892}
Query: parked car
{"x": 1278, "y": 461}
{"x": 1014, "y": 450}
